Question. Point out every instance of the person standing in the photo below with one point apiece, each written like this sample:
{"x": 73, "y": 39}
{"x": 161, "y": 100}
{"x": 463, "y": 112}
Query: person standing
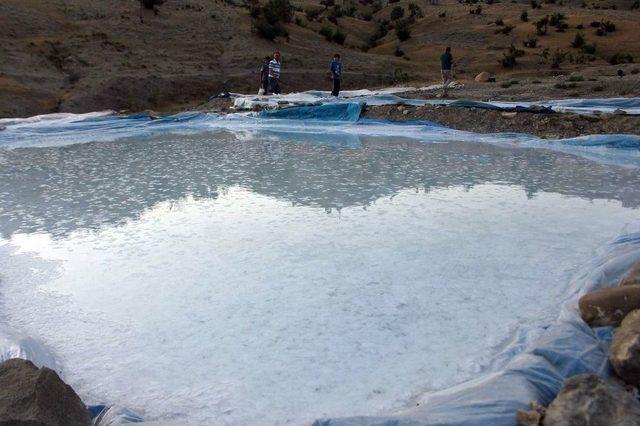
{"x": 264, "y": 75}
{"x": 274, "y": 73}
{"x": 446, "y": 62}
{"x": 336, "y": 74}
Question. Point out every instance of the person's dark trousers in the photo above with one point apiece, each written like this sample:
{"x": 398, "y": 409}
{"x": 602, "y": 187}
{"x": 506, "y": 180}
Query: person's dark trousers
{"x": 274, "y": 86}
{"x": 265, "y": 86}
{"x": 336, "y": 87}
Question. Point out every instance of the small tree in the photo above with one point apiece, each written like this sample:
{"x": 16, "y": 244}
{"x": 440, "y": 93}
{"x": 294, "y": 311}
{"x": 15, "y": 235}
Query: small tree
{"x": 578, "y": 41}
{"x": 524, "y": 16}
{"x": 557, "y": 58}
{"x": 403, "y": 31}
{"x": 277, "y": 11}
{"x": 542, "y": 25}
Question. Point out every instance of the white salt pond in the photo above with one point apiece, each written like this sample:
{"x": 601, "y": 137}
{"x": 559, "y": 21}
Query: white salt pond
{"x": 250, "y": 278}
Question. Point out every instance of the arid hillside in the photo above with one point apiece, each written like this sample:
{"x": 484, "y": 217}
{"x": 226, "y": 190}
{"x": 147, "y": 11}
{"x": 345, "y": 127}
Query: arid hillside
{"x": 82, "y": 55}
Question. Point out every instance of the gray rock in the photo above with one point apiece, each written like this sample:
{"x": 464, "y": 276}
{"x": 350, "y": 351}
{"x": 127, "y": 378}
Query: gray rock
{"x": 483, "y": 77}
{"x": 532, "y": 417}
{"x": 37, "y": 396}
{"x": 593, "y": 401}
{"x": 609, "y": 306}
{"x": 625, "y": 349}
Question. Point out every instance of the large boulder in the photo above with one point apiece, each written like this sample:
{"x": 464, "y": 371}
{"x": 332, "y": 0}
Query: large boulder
{"x": 38, "y": 397}
{"x": 591, "y": 400}
{"x": 625, "y": 349}
{"x": 607, "y": 307}
{"x": 633, "y": 277}
{"x": 483, "y": 77}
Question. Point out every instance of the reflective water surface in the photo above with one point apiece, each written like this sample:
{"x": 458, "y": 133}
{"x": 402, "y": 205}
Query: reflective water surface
{"x": 255, "y": 278}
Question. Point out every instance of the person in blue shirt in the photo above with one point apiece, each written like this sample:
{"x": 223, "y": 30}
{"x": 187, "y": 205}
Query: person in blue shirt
{"x": 264, "y": 74}
{"x": 336, "y": 74}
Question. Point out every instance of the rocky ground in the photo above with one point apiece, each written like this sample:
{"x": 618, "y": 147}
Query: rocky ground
{"x": 88, "y": 55}
{"x": 549, "y": 126}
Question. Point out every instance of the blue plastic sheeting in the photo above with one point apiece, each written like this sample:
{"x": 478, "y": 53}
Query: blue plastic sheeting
{"x": 301, "y": 122}
{"x": 344, "y": 112}
{"x": 609, "y": 141}
{"x": 570, "y": 347}
{"x": 105, "y": 415}
{"x": 393, "y": 96}
{"x": 612, "y": 103}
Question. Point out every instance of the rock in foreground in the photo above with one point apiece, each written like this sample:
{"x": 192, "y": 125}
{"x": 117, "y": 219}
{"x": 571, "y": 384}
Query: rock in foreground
{"x": 633, "y": 277}
{"x": 593, "y": 401}
{"x": 607, "y": 307}
{"x": 625, "y": 349}
{"x": 37, "y": 396}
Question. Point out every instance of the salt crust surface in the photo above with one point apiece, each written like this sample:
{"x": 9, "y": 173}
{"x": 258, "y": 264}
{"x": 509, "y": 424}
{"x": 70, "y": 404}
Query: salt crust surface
{"x": 263, "y": 281}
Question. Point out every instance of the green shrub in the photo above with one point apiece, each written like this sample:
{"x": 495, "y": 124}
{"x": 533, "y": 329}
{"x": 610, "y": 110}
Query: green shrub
{"x": 415, "y": 10}
{"x": 557, "y": 20}
{"x": 327, "y": 32}
{"x": 557, "y": 58}
{"x": 524, "y": 16}
{"x": 312, "y": 14}
{"x": 367, "y": 16}
{"x": 578, "y": 41}
{"x": 509, "y": 58}
{"x": 402, "y": 30}
{"x": 589, "y": 49}
{"x": 505, "y": 30}
{"x": 608, "y": 26}
{"x": 339, "y": 37}
{"x": 576, "y": 77}
{"x": 277, "y": 11}
{"x": 620, "y": 58}
{"x": 498, "y": 22}
{"x": 269, "y": 31}
{"x": 255, "y": 10}
{"x": 397, "y": 13}
{"x": 381, "y": 31}
{"x": 542, "y": 25}
{"x": 531, "y": 42}
{"x": 334, "y": 14}
{"x": 398, "y": 51}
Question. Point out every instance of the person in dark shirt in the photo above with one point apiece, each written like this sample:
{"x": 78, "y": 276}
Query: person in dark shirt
{"x": 336, "y": 74}
{"x": 264, "y": 74}
{"x": 446, "y": 62}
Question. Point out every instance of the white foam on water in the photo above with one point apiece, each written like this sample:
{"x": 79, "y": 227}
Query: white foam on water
{"x": 313, "y": 280}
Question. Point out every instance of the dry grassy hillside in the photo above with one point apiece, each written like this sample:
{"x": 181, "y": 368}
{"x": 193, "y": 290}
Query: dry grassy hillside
{"x": 80, "y": 55}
